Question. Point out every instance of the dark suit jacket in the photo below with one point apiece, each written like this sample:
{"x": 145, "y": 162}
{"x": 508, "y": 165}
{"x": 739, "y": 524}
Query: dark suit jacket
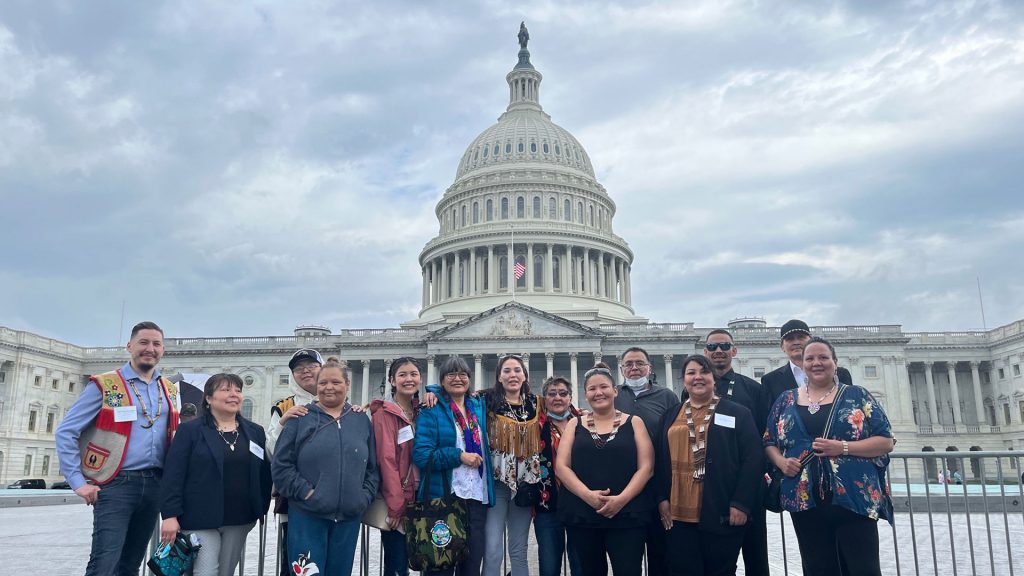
{"x": 774, "y": 383}
{"x": 734, "y": 466}
{"x": 192, "y": 487}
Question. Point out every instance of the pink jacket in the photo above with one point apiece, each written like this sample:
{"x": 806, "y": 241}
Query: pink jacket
{"x": 394, "y": 459}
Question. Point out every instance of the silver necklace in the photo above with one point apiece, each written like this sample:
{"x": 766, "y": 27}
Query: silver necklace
{"x": 231, "y": 444}
{"x": 813, "y": 406}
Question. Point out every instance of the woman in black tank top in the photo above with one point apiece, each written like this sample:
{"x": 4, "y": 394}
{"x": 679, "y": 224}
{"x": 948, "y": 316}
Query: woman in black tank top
{"x": 604, "y": 461}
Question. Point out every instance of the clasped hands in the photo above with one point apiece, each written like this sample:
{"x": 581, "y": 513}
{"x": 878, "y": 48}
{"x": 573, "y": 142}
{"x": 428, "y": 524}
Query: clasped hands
{"x": 605, "y": 505}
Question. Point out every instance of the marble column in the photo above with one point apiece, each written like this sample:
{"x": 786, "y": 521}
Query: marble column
{"x": 601, "y": 287}
{"x": 627, "y": 285}
{"x": 444, "y": 278}
{"x": 478, "y": 371}
{"x": 588, "y": 287}
{"x": 433, "y": 281}
{"x": 426, "y": 287}
{"x": 668, "y": 373}
{"x": 459, "y": 274}
{"x": 491, "y": 267}
{"x": 979, "y": 400}
{"x": 529, "y": 267}
{"x": 472, "y": 272}
{"x": 955, "y": 392}
{"x": 933, "y": 409}
{"x": 549, "y": 270}
{"x": 549, "y": 357}
{"x": 366, "y": 382}
{"x": 431, "y": 373}
{"x": 574, "y": 377}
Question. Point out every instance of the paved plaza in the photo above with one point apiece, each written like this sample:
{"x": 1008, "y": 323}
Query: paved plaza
{"x": 55, "y": 540}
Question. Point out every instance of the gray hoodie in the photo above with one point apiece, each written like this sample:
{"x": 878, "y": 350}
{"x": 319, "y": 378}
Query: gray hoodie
{"x": 336, "y": 459}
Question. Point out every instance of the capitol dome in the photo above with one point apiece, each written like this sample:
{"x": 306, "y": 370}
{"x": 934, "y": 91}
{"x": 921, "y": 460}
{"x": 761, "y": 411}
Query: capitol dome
{"x": 526, "y": 220}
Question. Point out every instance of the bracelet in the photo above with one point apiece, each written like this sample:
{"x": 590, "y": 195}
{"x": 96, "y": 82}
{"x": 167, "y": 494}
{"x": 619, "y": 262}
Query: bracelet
{"x": 846, "y": 448}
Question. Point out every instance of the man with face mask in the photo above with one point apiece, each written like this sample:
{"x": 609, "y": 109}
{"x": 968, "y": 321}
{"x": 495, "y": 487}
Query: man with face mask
{"x": 641, "y": 395}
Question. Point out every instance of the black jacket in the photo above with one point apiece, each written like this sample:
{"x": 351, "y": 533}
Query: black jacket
{"x": 192, "y": 487}
{"x": 774, "y": 383}
{"x": 734, "y": 466}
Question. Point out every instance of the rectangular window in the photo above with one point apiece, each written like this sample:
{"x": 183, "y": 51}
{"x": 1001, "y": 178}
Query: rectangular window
{"x": 992, "y": 416}
{"x": 871, "y": 371}
{"x": 28, "y": 465}
{"x": 71, "y": 386}
{"x": 32, "y": 420}
{"x": 46, "y": 464}
{"x": 50, "y": 418}
{"x": 758, "y": 373}
{"x": 282, "y": 380}
{"x": 1016, "y": 369}
{"x": 1006, "y": 414}
{"x": 1002, "y": 374}
{"x": 1020, "y": 406}
{"x": 3, "y": 377}
{"x": 38, "y": 381}
{"x": 55, "y": 384}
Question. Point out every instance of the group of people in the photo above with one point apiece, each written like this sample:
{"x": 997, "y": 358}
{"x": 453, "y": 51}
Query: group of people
{"x": 641, "y": 472}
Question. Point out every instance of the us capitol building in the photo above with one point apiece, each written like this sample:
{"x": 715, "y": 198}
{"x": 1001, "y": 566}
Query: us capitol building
{"x": 526, "y": 261}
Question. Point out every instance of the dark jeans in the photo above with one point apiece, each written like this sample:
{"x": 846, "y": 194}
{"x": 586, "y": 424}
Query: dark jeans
{"x": 477, "y": 542}
{"x": 551, "y": 544}
{"x": 699, "y": 553}
{"x": 755, "y": 544}
{"x": 329, "y": 544}
{"x": 396, "y": 563}
{"x": 657, "y": 564}
{"x": 123, "y": 520}
{"x": 624, "y": 547}
{"x": 835, "y": 541}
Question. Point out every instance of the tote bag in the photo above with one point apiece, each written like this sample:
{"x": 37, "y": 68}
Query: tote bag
{"x": 436, "y": 535}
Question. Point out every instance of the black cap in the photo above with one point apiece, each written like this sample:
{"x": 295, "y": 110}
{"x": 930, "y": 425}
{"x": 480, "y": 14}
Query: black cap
{"x": 305, "y": 354}
{"x": 794, "y": 327}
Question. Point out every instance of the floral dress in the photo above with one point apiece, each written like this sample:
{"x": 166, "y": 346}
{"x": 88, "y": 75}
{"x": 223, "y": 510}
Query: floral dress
{"x": 857, "y": 484}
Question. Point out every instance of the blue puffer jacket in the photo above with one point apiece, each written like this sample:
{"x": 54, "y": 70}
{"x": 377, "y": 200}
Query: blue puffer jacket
{"x": 435, "y": 433}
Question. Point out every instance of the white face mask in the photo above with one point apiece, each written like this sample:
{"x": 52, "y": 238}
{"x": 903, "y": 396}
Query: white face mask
{"x": 636, "y": 384}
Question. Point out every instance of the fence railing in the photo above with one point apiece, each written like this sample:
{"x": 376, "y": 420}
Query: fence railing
{"x": 974, "y": 527}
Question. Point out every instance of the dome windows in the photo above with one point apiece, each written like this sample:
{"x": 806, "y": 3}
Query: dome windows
{"x": 567, "y": 211}
{"x": 533, "y": 147}
{"x": 490, "y": 210}
{"x": 552, "y": 209}
{"x": 476, "y": 212}
{"x": 504, "y": 208}
{"x": 547, "y": 150}
{"x": 508, "y": 148}
{"x": 485, "y": 152}
{"x": 497, "y": 149}
{"x": 522, "y": 148}
{"x": 558, "y": 150}
{"x": 520, "y": 207}
{"x": 536, "y": 207}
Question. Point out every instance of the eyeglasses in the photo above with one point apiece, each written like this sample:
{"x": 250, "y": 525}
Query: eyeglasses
{"x": 306, "y": 368}
{"x": 557, "y": 393}
{"x": 723, "y": 346}
{"x": 635, "y": 364}
{"x": 454, "y": 375}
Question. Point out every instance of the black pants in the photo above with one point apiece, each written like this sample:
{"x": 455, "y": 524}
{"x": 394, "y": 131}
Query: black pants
{"x": 470, "y": 566}
{"x": 623, "y": 546}
{"x": 657, "y": 565}
{"x": 835, "y": 541}
{"x": 755, "y": 544}
{"x": 699, "y": 553}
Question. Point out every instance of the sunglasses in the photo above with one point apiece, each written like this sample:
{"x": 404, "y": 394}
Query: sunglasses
{"x": 557, "y": 393}
{"x": 723, "y": 346}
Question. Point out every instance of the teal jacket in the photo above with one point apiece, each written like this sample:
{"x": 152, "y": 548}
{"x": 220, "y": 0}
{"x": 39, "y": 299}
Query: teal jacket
{"x": 435, "y": 434}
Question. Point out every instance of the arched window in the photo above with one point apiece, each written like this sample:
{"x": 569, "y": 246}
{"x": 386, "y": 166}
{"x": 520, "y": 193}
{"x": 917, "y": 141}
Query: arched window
{"x": 533, "y": 147}
{"x": 497, "y": 149}
{"x": 521, "y": 148}
{"x": 460, "y": 289}
{"x": 600, "y": 218}
{"x": 485, "y": 152}
{"x": 503, "y": 273}
{"x": 508, "y": 148}
{"x": 486, "y": 265}
{"x": 546, "y": 149}
{"x": 247, "y": 408}
{"x": 520, "y": 207}
{"x": 579, "y": 212}
{"x": 567, "y": 211}
{"x": 558, "y": 150}
{"x": 591, "y": 214}
{"x": 538, "y": 271}
{"x": 536, "y": 206}
{"x": 521, "y": 281}
{"x": 455, "y": 218}
{"x": 463, "y": 215}
{"x": 552, "y": 209}
{"x": 556, "y": 272}
{"x": 490, "y": 210}
{"x": 504, "y": 208}
{"x": 476, "y": 212}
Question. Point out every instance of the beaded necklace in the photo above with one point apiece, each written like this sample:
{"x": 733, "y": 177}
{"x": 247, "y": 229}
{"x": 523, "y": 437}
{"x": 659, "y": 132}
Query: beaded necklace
{"x": 142, "y": 403}
{"x": 600, "y": 442}
{"x": 699, "y": 446}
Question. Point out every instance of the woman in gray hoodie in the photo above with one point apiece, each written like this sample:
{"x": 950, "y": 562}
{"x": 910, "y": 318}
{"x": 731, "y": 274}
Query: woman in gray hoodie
{"x": 326, "y": 465}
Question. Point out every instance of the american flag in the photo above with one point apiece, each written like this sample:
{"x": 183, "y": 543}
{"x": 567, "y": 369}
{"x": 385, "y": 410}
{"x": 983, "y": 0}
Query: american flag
{"x": 519, "y": 270}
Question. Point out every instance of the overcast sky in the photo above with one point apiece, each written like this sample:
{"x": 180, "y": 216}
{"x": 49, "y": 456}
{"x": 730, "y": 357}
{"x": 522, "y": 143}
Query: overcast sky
{"x": 237, "y": 168}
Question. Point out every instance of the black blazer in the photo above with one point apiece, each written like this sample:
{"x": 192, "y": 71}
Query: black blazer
{"x": 774, "y": 383}
{"x": 192, "y": 487}
{"x": 734, "y": 464}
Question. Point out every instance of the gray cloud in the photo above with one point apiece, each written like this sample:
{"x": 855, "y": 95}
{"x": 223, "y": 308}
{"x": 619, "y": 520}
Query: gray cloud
{"x": 238, "y": 169}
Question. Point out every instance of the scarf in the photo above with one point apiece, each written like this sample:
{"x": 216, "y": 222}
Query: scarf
{"x": 470, "y": 431}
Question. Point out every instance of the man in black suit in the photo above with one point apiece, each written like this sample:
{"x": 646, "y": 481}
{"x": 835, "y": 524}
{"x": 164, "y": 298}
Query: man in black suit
{"x": 720, "y": 350}
{"x": 795, "y": 335}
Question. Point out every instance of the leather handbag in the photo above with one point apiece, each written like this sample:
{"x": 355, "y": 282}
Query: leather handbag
{"x": 527, "y": 495}
{"x": 377, "y": 514}
{"x": 437, "y": 535}
{"x": 773, "y": 495}
{"x": 175, "y": 558}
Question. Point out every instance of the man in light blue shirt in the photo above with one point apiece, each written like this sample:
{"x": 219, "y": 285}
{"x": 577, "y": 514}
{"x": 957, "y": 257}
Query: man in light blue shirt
{"x": 125, "y": 507}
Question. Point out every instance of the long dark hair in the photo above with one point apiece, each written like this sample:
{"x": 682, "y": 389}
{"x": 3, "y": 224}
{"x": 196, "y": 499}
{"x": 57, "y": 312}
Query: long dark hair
{"x": 496, "y": 394}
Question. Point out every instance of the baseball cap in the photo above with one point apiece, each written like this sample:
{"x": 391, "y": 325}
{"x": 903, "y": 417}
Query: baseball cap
{"x": 305, "y": 354}
{"x": 794, "y": 327}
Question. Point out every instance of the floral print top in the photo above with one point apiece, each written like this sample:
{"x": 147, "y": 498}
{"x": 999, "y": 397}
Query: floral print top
{"x": 549, "y": 440}
{"x": 858, "y": 484}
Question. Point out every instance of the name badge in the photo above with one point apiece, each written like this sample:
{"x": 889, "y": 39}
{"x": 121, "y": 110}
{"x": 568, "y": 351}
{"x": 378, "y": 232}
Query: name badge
{"x": 405, "y": 434}
{"x": 725, "y": 420}
{"x": 255, "y": 449}
{"x": 125, "y": 414}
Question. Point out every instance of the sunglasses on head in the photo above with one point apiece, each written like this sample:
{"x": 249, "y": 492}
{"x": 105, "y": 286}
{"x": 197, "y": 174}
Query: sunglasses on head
{"x": 723, "y": 346}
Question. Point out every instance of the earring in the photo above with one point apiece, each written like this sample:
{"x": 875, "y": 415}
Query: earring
{"x": 835, "y": 378}
{"x": 805, "y": 380}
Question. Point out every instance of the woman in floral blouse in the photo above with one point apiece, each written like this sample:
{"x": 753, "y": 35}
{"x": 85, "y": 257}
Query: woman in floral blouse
{"x": 550, "y": 532}
{"x": 513, "y": 427}
{"x": 831, "y": 442}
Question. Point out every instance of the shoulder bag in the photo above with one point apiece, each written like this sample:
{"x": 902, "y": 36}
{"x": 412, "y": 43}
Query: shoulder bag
{"x": 377, "y": 514}
{"x": 436, "y": 529}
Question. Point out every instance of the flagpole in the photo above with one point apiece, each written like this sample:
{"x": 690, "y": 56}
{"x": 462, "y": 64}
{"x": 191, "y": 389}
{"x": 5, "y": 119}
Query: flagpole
{"x": 512, "y": 260}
